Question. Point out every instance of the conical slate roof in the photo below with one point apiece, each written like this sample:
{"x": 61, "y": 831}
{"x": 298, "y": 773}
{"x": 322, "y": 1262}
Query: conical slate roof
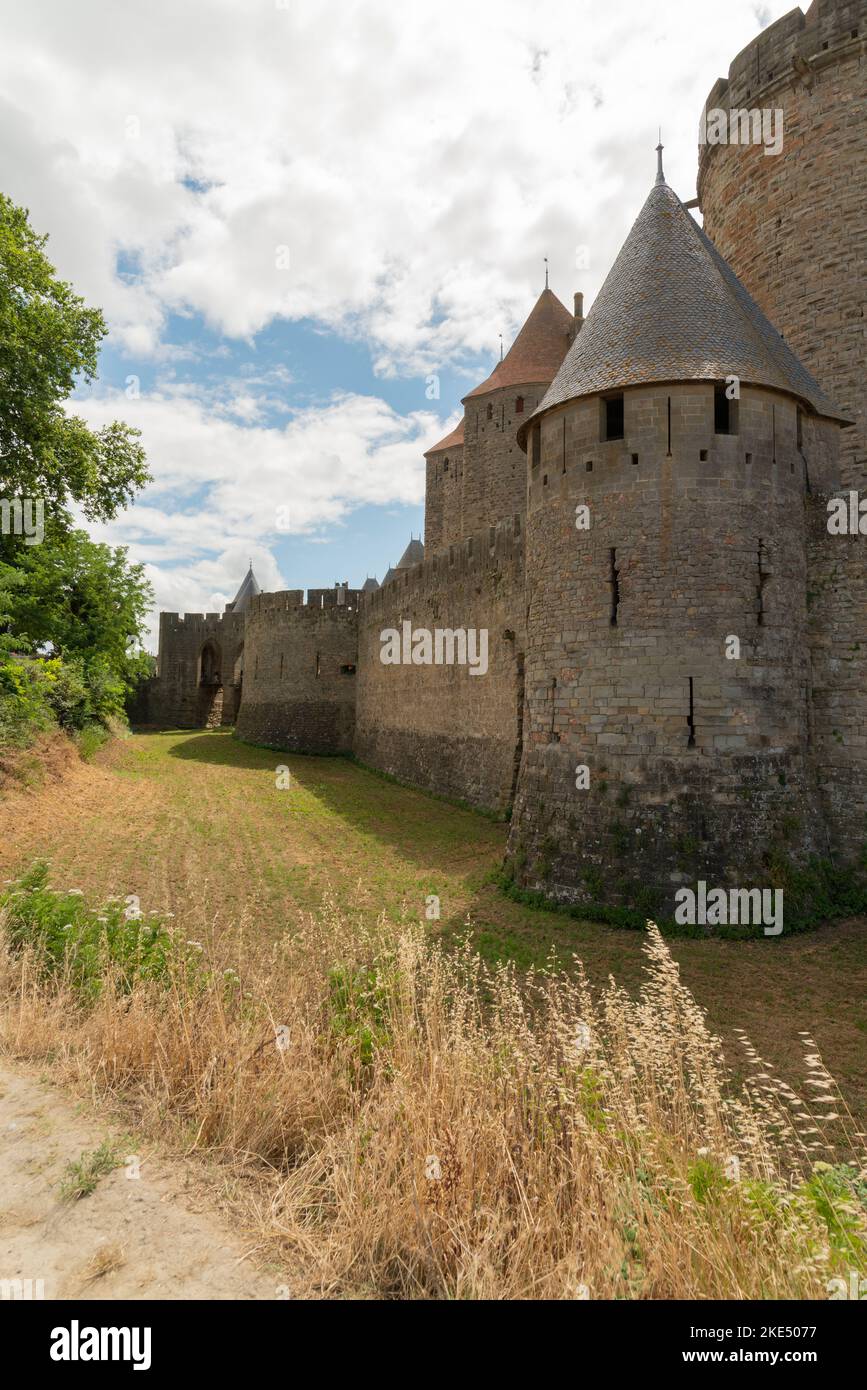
{"x": 671, "y": 309}
{"x": 249, "y": 589}
{"x": 413, "y": 555}
{"x": 538, "y": 350}
{"x": 370, "y": 585}
{"x": 451, "y": 441}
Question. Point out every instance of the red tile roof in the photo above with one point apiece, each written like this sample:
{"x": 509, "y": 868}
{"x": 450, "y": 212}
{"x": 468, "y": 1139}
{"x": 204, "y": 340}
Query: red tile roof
{"x": 451, "y": 441}
{"x": 537, "y": 352}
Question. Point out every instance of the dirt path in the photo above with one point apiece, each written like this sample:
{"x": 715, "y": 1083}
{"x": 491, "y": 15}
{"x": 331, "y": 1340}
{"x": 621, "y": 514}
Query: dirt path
{"x": 144, "y": 1237}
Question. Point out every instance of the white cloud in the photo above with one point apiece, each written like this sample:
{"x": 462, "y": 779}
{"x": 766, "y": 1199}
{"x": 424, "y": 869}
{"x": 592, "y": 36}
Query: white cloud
{"x": 416, "y": 160}
{"x": 223, "y": 491}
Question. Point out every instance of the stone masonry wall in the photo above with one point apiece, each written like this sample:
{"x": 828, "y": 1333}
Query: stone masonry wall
{"x": 438, "y": 727}
{"x": 443, "y": 498}
{"x": 494, "y": 465}
{"x": 794, "y": 228}
{"x": 177, "y": 697}
{"x": 300, "y": 671}
{"x": 699, "y": 766}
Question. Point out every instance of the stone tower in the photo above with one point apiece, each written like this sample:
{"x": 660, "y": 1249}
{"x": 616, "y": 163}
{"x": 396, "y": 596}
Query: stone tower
{"x": 300, "y": 665}
{"x": 476, "y": 476}
{"x": 794, "y": 228}
{"x": 200, "y": 668}
{"x": 668, "y": 733}
{"x": 443, "y": 496}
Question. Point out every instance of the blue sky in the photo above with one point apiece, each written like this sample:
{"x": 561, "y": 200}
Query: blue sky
{"x": 294, "y": 214}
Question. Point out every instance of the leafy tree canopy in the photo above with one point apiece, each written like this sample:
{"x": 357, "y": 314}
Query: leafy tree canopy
{"x": 72, "y": 597}
{"x": 49, "y": 341}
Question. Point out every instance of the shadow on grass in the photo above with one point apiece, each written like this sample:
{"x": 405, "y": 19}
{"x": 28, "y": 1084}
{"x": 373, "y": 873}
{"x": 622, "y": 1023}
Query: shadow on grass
{"x": 431, "y": 834}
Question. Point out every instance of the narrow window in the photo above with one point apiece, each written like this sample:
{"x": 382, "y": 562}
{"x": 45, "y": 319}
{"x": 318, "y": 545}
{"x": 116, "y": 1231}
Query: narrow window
{"x": 668, "y": 455}
{"x": 446, "y": 466}
{"x": 800, "y": 428}
{"x": 635, "y": 460}
{"x": 589, "y": 465}
{"x": 612, "y": 417}
{"x": 774, "y": 432}
{"x": 318, "y": 668}
{"x": 281, "y": 665}
{"x": 702, "y": 453}
{"x": 564, "y": 443}
{"x": 614, "y": 581}
{"x": 724, "y": 412}
{"x": 490, "y": 411}
{"x": 690, "y": 743}
{"x": 519, "y": 405}
{"x": 347, "y": 670}
{"x": 748, "y": 458}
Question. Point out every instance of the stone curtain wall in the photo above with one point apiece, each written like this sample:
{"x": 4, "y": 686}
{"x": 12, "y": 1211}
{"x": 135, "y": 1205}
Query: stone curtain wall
{"x": 794, "y": 228}
{"x": 300, "y": 678}
{"x": 684, "y": 549}
{"x": 438, "y": 727}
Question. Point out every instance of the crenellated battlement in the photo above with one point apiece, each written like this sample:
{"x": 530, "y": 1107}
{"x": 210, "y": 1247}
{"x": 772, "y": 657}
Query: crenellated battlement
{"x": 495, "y": 548}
{"x": 793, "y": 51}
{"x": 335, "y": 602}
{"x": 190, "y": 623}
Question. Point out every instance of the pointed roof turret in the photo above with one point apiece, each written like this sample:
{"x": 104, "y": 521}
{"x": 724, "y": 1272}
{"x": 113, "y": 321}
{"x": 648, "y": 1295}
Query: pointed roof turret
{"x": 538, "y": 350}
{"x": 671, "y": 309}
{"x": 413, "y": 555}
{"x": 370, "y": 585}
{"x": 249, "y": 589}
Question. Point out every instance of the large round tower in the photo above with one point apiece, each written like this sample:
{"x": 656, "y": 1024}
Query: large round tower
{"x": 793, "y": 225}
{"x": 668, "y": 684}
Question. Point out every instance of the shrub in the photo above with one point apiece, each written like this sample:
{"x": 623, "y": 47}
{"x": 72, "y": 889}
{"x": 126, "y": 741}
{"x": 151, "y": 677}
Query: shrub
{"x": 25, "y": 709}
{"x": 88, "y": 948}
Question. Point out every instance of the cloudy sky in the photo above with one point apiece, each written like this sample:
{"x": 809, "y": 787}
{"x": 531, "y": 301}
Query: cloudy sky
{"x": 302, "y": 218}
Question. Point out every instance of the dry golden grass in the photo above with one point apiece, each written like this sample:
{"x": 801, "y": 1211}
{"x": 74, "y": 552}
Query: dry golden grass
{"x": 395, "y": 1119}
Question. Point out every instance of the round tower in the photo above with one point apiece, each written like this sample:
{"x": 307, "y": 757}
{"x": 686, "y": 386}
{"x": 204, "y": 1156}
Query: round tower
{"x": 668, "y": 725}
{"x": 793, "y": 225}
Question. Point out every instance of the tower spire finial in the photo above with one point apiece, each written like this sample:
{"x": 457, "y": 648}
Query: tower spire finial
{"x": 501, "y": 347}
{"x": 546, "y": 272}
{"x": 660, "y": 176}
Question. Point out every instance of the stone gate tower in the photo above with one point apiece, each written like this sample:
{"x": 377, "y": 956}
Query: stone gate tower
{"x": 668, "y": 732}
{"x": 794, "y": 228}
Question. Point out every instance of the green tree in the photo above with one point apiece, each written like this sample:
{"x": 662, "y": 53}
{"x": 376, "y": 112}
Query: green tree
{"x": 73, "y": 598}
{"x": 49, "y": 341}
